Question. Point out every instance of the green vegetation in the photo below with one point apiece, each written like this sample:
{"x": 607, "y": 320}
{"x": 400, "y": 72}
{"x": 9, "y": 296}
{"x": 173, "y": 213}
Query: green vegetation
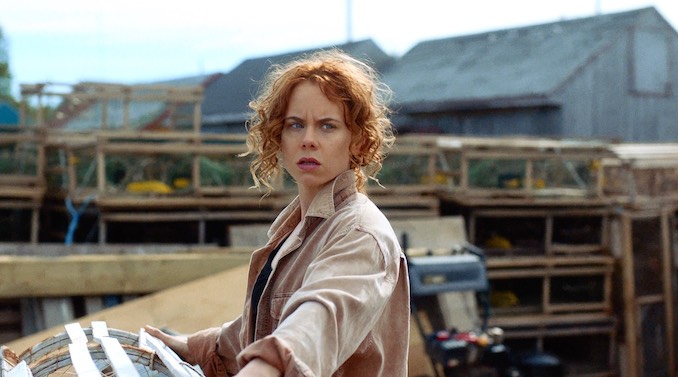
{"x": 5, "y": 74}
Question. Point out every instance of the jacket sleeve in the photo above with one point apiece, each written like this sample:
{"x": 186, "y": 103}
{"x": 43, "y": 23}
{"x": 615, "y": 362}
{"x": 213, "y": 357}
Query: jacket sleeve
{"x": 344, "y": 292}
{"x": 215, "y": 349}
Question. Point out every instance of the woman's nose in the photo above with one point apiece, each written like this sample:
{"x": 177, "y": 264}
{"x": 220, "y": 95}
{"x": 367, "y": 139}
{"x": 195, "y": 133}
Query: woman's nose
{"x": 309, "y": 139}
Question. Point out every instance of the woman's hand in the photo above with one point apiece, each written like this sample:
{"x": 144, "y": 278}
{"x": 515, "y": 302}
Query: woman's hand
{"x": 177, "y": 343}
{"x": 259, "y": 368}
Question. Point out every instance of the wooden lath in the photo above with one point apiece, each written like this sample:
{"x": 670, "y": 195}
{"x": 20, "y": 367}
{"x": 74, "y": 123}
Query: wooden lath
{"x": 476, "y": 166}
{"x": 75, "y": 98}
{"x": 642, "y": 173}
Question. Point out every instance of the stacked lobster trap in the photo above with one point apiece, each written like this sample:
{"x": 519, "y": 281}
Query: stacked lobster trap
{"x": 96, "y": 351}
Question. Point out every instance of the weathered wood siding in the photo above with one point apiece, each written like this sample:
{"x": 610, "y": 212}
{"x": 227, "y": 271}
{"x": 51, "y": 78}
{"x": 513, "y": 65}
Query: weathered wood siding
{"x": 543, "y": 121}
{"x": 603, "y": 100}
{"x": 627, "y": 91}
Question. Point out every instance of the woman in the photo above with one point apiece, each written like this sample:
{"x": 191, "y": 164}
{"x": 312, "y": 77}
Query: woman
{"x": 328, "y": 295}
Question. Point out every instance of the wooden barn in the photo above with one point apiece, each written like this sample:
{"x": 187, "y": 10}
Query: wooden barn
{"x": 612, "y": 76}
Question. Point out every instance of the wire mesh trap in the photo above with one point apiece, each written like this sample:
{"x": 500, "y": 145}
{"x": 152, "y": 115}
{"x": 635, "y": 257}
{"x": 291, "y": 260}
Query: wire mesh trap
{"x": 94, "y": 352}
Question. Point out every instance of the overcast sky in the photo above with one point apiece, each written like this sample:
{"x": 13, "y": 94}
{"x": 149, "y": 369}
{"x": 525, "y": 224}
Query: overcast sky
{"x": 132, "y": 41}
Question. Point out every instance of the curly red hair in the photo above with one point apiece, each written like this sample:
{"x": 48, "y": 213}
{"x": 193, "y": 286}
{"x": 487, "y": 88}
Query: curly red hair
{"x": 349, "y": 82}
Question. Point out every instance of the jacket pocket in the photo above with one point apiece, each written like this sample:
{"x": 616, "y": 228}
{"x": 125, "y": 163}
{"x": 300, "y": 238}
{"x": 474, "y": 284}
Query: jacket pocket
{"x": 277, "y": 304}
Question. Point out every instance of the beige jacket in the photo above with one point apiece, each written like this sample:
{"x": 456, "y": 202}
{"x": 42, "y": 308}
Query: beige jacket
{"x": 337, "y": 301}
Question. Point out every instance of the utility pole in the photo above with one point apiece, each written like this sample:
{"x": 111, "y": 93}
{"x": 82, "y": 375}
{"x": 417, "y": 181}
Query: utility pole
{"x": 349, "y": 20}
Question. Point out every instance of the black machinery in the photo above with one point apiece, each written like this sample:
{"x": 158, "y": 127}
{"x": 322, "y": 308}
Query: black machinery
{"x": 477, "y": 352}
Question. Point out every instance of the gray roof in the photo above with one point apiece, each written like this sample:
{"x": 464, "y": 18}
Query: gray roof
{"x": 516, "y": 67}
{"x": 227, "y": 98}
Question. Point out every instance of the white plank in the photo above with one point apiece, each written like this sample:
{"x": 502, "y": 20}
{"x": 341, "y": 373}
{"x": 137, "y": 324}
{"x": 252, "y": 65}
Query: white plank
{"x": 82, "y": 360}
{"x": 76, "y": 333}
{"x": 4, "y": 365}
{"x": 99, "y": 330}
{"x": 20, "y": 370}
{"x": 172, "y": 361}
{"x": 118, "y": 358}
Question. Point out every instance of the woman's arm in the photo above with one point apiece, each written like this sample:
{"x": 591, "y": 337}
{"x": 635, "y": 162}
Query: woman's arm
{"x": 259, "y": 368}
{"x": 202, "y": 348}
{"x": 345, "y": 290}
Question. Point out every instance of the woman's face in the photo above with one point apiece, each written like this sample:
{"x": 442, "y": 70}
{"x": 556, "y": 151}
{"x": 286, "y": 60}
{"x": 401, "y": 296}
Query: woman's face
{"x": 315, "y": 139}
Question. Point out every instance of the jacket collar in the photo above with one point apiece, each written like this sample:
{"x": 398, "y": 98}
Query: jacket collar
{"x": 324, "y": 205}
{"x": 330, "y": 197}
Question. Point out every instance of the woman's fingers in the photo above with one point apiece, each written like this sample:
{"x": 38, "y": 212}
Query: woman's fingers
{"x": 177, "y": 343}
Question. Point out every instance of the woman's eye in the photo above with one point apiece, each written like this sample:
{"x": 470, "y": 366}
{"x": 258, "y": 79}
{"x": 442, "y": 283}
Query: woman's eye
{"x": 327, "y": 126}
{"x": 296, "y": 125}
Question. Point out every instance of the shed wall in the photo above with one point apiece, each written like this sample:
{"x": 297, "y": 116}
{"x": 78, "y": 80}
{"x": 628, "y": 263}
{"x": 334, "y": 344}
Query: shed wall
{"x": 600, "y": 101}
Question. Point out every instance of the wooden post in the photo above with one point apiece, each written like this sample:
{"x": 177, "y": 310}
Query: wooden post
{"x": 201, "y": 231}
{"x": 22, "y": 113}
{"x": 472, "y": 228}
{"x": 668, "y": 289}
{"x": 529, "y": 174}
{"x": 102, "y": 230}
{"x": 600, "y": 177}
{"x": 197, "y": 123}
{"x": 41, "y": 115}
{"x": 40, "y": 162}
{"x": 197, "y": 116}
{"x": 628, "y": 291}
{"x": 70, "y": 167}
{"x": 432, "y": 168}
{"x": 171, "y": 113}
{"x": 196, "y": 171}
{"x": 546, "y": 291}
{"x": 101, "y": 166}
{"x": 548, "y": 235}
{"x": 605, "y": 231}
{"x": 463, "y": 160}
{"x": 35, "y": 223}
{"x": 125, "y": 103}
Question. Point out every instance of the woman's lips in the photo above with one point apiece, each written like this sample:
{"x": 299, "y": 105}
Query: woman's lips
{"x": 308, "y": 164}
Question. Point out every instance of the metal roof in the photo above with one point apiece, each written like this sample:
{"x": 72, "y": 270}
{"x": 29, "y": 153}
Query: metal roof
{"x": 227, "y": 98}
{"x": 520, "y": 66}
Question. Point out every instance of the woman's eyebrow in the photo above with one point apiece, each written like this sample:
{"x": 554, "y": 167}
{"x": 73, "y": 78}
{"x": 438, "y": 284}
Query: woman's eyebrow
{"x": 330, "y": 119}
{"x": 321, "y": 120}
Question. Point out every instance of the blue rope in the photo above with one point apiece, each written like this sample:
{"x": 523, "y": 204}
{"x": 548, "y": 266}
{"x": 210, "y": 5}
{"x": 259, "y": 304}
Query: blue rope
{"x": 75, "y": 217}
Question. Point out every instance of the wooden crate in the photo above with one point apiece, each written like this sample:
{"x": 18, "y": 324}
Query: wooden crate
{"x": 522, "y": 167}
{"x": 647, "y": 302}
{"x": 524, "y": 286}
{"x": 545, "y": 231}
